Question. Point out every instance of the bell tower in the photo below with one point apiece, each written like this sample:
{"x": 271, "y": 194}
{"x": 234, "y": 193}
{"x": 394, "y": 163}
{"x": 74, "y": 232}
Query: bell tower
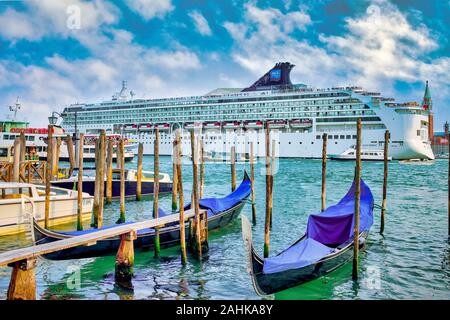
{"x": 427, "y": 104}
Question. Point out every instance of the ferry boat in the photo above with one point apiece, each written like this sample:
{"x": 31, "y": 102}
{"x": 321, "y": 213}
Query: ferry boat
{"x": 367, "y": 154}
{"x": 21, "y": 201}
{"x": 36, "y": 142}
{"x": 274, "y": 98}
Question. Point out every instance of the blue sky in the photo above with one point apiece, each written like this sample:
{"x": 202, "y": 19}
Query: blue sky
{"x": 177, "y": 48}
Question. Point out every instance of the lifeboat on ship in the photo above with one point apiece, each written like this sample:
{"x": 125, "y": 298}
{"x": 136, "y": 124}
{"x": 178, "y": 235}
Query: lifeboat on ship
{"x": 301, "y": 123}
{"x": 145, "y": 127}
{"x": 192, "y": 125}
{"x": 130, "y": 127}
{"x": 277, "y": 124}
{"x": 253, "y": 124}
{"x": 232, "y": 125}
{"x": 211, "y": 125}
{"x": 162, "y": 126}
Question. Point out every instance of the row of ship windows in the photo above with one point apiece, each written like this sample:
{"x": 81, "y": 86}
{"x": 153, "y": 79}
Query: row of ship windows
{"x": 190, "y": 103}
{"x": 210, "y": 111}
{"x": 13, "y": 137}
{"x": 166, "y": 118}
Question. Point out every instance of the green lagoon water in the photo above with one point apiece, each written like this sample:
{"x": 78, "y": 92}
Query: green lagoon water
{"x": 411, "y": 261}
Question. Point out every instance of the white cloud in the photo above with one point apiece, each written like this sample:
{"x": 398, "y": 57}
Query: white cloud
{"x": 378, "y": 48}
{"x": 200, "y": 22}
{"x": 149, "y": 9}
{"x": 46, "y": 17}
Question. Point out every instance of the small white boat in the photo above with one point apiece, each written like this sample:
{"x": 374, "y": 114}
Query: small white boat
{"x": 301, "y": 123}
{"x": 130, "y": 127}
{"x": 366, "y": 155}
{"x": 232, "y": 125}
{"x": 20, "y": 201}
{"x": 162, "y": 126}
{"x": 225, "y": 157}
{"x": 254, "y": 125}
{"x": 145, "y": 127}
{"x": 212, "y": 125}
{"x": 277, "y": 124}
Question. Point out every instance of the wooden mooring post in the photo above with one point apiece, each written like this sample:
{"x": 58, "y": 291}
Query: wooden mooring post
{"x": 139, "y": 172}
{"x": 16, "y": 160}
{"x": 156, "y": 192}
{"x": 174, "y": 172}
{"x": 121, "y": 160}
{"x": 177, "y": 161}
{"x": 195, "y": 241}
{"x": 80, "y": 183}
{"x": 124, "y": 268}
{"x": 252, "y": 179}
{"x": 357, "y": 201}
{"x": 22, "y": 285}
{"x": 268, "y": 193}
{"x": 324, "y": 171}
{"x": 109, "y": 170}
{"x": 385, "y": 179}
{"x": 49, "y": 175}
{"x": 202, "y": 168}
{"x": 23, "y": 147}
{"x": 55, "y": 157}
{"x": 71, "y": 153}
{"x": 101, "y": 195}
{"x": 272, "y": 171}
{"x": 448, "y": 185}
{"x": 233, "y": 168}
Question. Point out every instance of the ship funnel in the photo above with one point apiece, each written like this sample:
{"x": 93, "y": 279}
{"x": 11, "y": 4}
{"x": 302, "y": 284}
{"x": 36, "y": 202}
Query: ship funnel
{"x": 276, "y": 78}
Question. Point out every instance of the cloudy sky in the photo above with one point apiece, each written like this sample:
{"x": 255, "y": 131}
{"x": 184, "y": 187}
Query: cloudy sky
{"x": 50, "y": 56}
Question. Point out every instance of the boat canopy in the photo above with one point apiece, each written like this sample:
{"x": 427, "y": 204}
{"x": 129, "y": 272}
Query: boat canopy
{"x": 325, "y": 231}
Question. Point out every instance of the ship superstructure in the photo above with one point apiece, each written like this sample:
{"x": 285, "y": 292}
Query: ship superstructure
{"x": 297, "y": 114}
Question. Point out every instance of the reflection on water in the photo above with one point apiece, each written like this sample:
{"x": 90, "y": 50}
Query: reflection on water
{"x": 410, "y": 261}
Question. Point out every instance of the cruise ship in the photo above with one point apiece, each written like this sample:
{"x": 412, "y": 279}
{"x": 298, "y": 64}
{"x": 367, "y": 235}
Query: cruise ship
{"x": 297, "y": 114}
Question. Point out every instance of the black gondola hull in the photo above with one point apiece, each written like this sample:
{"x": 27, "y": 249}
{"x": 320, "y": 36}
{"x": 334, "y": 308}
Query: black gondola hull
{"x": 266, "y": 284}
{"x": 169, "y": 236}
{"x": 130, "y": 187}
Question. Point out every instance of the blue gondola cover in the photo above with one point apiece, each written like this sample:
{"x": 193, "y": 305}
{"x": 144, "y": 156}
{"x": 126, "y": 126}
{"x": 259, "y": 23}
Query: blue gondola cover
{"x": 325, "y": 230}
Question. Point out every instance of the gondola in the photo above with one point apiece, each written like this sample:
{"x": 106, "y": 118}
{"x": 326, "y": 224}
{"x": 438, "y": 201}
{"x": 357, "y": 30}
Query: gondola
{"x": 165, "y": 183}
{"x": 326, "y": 246}
{"x": 220, "y": 211}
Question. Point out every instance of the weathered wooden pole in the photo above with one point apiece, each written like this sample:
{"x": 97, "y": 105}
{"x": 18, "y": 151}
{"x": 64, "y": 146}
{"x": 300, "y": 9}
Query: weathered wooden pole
{"x": 268, "y": 205}
{"x": 22, "y": 285}
{"x": 124, "y": 268}
{"x": 80, "y": 183}
{"x": 252, "y": 178}
{"x": 16, "y": 160}
{"x": 96, "y": 206}
{"x": 195, "y": 205}
{"x": 357, "y": 201}
{"x": 48, "y": 176}
{"x": 23, "y": 147}
{"x": 202, "y": 168}
{"x": 174, "y": 173}
{"x": 385, "y": 179}
{"x": 56, "y": 158}
{"x": 177, "y": 161}
{"x": 233, "y": 168}
{"x": 122, "y": 180}
{"x": 448, "y": 184}
{"x": 139, "y": 172}
{"x": 101, "y": 195}
{"x": 324, "y": 170}
{"x": 109, "y": 170}
{"x": 156, "y": 191}
{"x": 118, "y": 156}
{"x": 71, "y": 153}
{"x": 272, "y": 171}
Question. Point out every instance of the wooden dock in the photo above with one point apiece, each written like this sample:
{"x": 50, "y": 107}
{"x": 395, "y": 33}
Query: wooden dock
{"x": 23, "y": 281}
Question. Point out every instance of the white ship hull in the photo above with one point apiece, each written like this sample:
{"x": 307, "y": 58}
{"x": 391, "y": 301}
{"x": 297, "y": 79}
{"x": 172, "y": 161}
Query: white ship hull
{"x": 291, "y": 144}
